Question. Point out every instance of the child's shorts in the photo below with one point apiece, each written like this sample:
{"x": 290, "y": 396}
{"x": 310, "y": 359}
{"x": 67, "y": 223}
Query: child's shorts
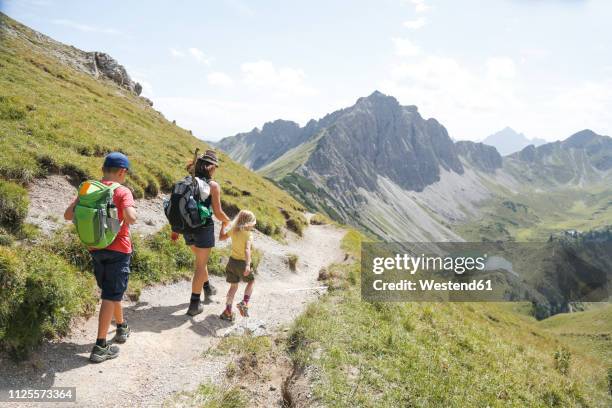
{"x": 112, "y": 270}
{"x": 234, "y": 271}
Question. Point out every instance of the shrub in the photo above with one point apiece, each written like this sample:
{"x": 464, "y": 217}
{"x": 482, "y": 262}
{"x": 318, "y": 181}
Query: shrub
{"x": 49, "y": 292}
{"x": 292, "y": 260}
{"x": 264, "y": 227}
{"x": 13, "y": 205}
{"x": 28, "y": 231}
{"x": 562, "y": 360}
{"x": 6, "y": 239}
{"x": 66, "y": 244}
{"x": 12, "y": 282}
{"x": 215, "y": 396}
{"x": 318, "y": 219}
{"x": 175, "y": 252}
{"x": 146, "y": 264}
{"x": 295, "y": 226}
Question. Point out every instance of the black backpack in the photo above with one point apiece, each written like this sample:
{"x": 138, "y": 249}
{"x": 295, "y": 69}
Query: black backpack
{"x": 182, "y": 209}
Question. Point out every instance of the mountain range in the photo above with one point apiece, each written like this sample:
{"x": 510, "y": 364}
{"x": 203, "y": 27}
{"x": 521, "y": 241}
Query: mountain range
{"x": 383, "y": 167}
{"x": 508, "y": 141}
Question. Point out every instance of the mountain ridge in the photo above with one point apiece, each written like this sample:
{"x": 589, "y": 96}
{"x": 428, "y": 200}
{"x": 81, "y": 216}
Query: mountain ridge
{"x": 377, "y": 164}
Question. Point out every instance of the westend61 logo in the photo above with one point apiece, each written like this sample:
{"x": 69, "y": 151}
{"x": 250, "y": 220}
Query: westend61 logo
{"x": 551, "y": 273}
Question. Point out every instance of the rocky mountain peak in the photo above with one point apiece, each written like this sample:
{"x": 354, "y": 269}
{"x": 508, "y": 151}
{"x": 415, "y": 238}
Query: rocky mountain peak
{"x": 581, "y": 139}
{"x": 281, "y": 126}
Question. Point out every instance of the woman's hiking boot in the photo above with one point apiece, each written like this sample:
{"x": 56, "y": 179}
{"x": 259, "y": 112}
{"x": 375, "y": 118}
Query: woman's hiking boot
{"x": 229, "y": 316}
{"x": 121, "y": 334}
{"x": 209, "y": 291}
{"x": 100, "y": 354}
{"x": 195, "y": 308}
{"x": 243, "y": 308}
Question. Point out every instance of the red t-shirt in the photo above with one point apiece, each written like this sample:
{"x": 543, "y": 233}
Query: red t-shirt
{"x": 122, "y": 198}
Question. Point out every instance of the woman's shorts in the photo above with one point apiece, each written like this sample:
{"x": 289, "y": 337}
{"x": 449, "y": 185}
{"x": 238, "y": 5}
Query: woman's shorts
{"x": 203, "y": 237}
{"x": 234, "y": 271}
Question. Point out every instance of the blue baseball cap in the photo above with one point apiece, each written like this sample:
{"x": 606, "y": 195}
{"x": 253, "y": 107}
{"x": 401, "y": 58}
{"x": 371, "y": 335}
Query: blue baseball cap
{"x": 116, "y": 159}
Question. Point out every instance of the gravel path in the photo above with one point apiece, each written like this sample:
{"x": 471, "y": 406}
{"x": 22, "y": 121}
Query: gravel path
{"x": 50, "y": 196}
{"x": 164, "y": 355}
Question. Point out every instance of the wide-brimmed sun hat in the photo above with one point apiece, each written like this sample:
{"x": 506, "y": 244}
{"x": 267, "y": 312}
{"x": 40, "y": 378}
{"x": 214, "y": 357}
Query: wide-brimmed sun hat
{"x": 210, "y": 157}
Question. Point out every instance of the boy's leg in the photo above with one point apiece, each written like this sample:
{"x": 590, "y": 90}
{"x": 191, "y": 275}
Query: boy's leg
{"x": 118, "y": 313}
{"x": 104, "y": 320}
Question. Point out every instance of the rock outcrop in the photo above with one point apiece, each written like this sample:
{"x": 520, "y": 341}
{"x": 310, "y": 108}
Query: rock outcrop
{"x": 481, "y": 156}
{"x": 104, "y": 65}
{"x": 97, "y": 64}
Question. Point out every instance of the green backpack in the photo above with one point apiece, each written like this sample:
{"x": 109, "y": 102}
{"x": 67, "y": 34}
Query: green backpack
{"x": 95, "y": 215}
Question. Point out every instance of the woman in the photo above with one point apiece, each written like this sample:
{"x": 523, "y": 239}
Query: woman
{"x": 202, "y": 240}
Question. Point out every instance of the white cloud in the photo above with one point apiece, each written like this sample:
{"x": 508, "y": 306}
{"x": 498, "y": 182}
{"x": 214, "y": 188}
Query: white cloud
{"x": 176, "y": 53}
{"x": 405, "y": 47}
{"x": 199, "y": 55}
{"x": 212, "y": 119}
{"x": 501, "y": 67}
{"x": 461, "y": 97}
{"x": 85, "y": 27}
{"x": 420, "y": 6}
{"x": 415, "y": 24}
{"x": 264, "y": 75}
{"x": 220, "y": 79}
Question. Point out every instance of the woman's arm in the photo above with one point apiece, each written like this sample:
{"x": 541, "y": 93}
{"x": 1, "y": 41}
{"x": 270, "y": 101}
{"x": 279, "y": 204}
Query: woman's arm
{"x": 223, "y": 234}
{"x": 215, "y": 191}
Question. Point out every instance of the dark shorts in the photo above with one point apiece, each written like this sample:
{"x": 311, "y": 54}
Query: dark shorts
{"x": 112, "y": 270}
{"x": 234, "y": 271}
{"x": 202, "y": 238}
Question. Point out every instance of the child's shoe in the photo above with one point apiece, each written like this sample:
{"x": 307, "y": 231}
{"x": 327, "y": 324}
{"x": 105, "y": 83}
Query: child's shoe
{"x": 229, "y": 316}
{"x": 243, "y": 308}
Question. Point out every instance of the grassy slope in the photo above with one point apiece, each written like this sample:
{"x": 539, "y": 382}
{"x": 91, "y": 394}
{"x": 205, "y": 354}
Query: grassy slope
{"x": 590, "y": 330}
{"x": 289, "y": 161}
{"x": 535, "y": 215}
{"x": 436, "y": 354}
{"x": 53, "y": 117}
{"x": 56, "y": 119}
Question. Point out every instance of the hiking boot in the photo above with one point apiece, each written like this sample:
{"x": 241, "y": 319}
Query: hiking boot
{"x": 121, "y": 334}
{"x": 195, "y": 308}
{"x": 230, "y": 317}
{"x": 100, "y": 354}
{"x": 208, "y": 292}
{"x": 243, "y": 308}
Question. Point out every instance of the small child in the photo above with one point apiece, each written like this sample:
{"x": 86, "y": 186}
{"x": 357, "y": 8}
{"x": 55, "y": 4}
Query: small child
{"x": 239, "y": 265}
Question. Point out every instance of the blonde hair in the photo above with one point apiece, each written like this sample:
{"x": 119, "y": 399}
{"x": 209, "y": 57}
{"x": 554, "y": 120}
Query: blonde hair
{"x": 245, "y": 219}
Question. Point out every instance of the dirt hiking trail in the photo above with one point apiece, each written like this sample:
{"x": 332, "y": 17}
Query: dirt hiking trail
{"x": 165, "y": 353}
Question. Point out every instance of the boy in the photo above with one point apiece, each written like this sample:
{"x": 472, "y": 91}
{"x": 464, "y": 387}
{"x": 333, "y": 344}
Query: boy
{"x": 239, "y": 265}
{"x": 112, "y": 264}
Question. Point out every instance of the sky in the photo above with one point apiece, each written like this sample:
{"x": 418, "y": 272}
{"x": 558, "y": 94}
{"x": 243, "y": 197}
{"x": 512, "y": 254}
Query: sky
{"x": 542, "y": 67}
